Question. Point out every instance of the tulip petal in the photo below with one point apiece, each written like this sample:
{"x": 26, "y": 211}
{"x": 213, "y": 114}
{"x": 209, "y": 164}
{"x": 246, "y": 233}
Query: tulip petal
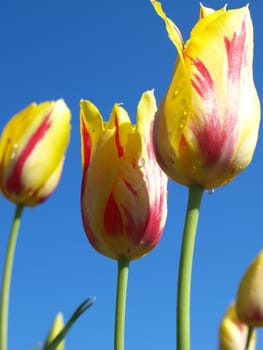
{"x": 48, "y": 187}
{"x": 121, "y": 124}
{"x": 249, "y": 302}
{"x": 18, "y": 159}
{"x": 91, "y": 129}
{"x": 172, "y": 30}
{"x": 205, "y": 11}
{"x": 56, "y": 139}
{"x": 32, "y": 149}
{"x": 207, "y": 16}
{"x": 233, "y": 333}
{"x": 122, "y": 189}
{"x": 98, "y": 179}
{"x": 206, "y": 127}
{"x": 220, "y": 97}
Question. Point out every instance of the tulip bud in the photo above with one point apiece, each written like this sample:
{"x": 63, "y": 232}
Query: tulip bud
{"x": 206, "y": 126}
{"x": 233, "y": 333}
{"x": 56, "y": 327}
{"x": 32, "y": 148}
{"x": 249, "y": 303}
{"x": 123, "y": 195}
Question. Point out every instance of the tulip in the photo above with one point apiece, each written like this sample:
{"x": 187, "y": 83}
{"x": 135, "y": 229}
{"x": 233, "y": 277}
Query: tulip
{"x": 32, "y": 148}
{"x": 123, "y": 195}
{"x": 56, "y": 328}
{"x": 233, "y": 333}
{"x": 249, "y": 303}
{"x": 206, "y": 126}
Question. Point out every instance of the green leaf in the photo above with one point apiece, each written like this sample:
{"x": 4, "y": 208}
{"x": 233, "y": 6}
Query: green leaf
{"x": 62, "y": 334}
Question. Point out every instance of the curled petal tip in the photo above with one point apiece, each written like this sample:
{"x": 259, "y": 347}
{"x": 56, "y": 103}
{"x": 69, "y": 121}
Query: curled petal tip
{"x": 172, "y": 30}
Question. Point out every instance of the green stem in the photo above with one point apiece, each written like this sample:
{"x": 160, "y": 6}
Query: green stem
{"x": 7, "y": 274}
{"x": 185, "y": 267}
{"x": 249, "y": 336}
{"x": 123, "y": 270}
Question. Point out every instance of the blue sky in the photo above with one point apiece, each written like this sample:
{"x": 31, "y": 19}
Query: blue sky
{"x": 111, "y": 52}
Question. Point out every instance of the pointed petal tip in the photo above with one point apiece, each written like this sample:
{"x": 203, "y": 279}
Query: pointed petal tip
{"x": 173, "y": 31}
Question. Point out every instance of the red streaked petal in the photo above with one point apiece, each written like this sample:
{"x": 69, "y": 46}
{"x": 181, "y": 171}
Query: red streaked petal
{"x": 86, "y": 144}
{"x": 214, "y": 140}
{"x": 202, "y": 81}
{"x": 120, "y": 148}
{"x": 13, "y": 183}
{"x": 112, "y": 218}
{"x": 236, "y": 53}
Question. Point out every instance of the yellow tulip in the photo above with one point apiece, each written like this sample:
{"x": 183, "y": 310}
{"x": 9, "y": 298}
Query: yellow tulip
{"x": 249, "y": 303}
{"x": 57, "y": 326}
{"x": 207, "y": 124}
{"x": 233, "y": 333}
{"x": 123, "y": 197}
{"x": 32, "y": 148}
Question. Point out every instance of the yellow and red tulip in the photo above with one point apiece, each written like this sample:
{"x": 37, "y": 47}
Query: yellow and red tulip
{"x": 233, "y": 333}
{"x": 123, "y": 196}
{"x": 32, "y": 149}
{"x": 249, "y": 302}
{"x": 207, "y": 124}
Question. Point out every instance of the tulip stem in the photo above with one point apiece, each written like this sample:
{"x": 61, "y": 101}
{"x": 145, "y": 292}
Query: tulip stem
{"x": 249, "y": 336}
{"x": 122, "y": 282}
{"x": 7, "y": 274}
{"x": 185, "y": 267}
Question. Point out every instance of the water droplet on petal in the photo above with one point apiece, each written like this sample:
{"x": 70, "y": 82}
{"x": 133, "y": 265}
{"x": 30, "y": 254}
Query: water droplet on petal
{"x": 14, "y": 151}
{"x": 141, "y": 163}
{"x": 197, "y": 165}
{"x": 212, "y": 191}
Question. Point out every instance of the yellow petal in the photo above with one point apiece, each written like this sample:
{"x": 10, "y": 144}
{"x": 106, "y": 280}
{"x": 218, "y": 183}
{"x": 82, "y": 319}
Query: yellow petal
{"x": 49, "y": 153}
{"x": 233, "y": 333}
{"x": 56, "y": 327}
{"x": 249, "y": 303}
{"x": 91, "y": 128}
{"x": 172, "y": 30}
{"x": 32, "y": 147}
{"x": 48, "y": 187}
{"x": 121, "y": 124}
{"x": 205, "y": 11}
{"x": 207, "y": 16}
{"x": 145, "y": 112}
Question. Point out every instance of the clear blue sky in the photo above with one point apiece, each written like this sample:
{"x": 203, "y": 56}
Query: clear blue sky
{"x": 107, "y": 52}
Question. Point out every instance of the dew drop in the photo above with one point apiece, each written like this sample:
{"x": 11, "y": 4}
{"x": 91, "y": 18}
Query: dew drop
{"x": 197, "y": 165}
{"x": 212, "y": 191}
{"x": 141, "y": 163}
{"x": 14, "y": 151}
